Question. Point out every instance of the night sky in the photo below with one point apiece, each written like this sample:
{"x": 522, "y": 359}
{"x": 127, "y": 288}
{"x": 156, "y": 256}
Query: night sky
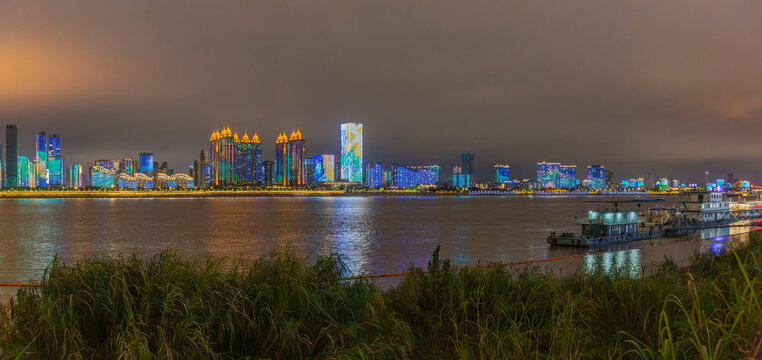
{"x": 669, "y": 87}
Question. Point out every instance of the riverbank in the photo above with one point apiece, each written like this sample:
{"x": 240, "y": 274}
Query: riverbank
{"x": 283, "y": 307}
{"x": 94, "y": 194}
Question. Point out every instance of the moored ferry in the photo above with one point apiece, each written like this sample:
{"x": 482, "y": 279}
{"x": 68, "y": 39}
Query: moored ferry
{"x": 607, "y": 226}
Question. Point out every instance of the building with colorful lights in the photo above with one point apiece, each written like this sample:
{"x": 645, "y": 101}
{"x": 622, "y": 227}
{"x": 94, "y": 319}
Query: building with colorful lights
{"x": 309, "y": 170}
{"x": 41, "y": 160}
{"x": 76, "y": 176}
{"x": 22, "y": 176}
{"x": 289, "y": 160}
{"x": 247, "y": 160}
{"x": 145, "y": 163}
{"x": 324, "y": 168}
{"x": 568, "y": 177}
{"x": 127, "y": 181}
{"x": 351, "y": 152}
{"x": 101, "y": 177}
{"x": 412, "y": 176}
{"x": 222, "y": 157}
{"x": 374, "y": 175}
{"x": 502, "y": 174}
{"x": 55, "y": 163}
{"x": 596, "y": 177}
{"x": 233, "y": 160}
{"x": 129, "y": 166}
{"x": 112, "y": 165}
{"x": 548, "y": 175}
{"x": 297, "y": 174}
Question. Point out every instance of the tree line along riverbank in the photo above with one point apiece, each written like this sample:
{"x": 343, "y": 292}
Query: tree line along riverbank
{"x": 283, "y": 307}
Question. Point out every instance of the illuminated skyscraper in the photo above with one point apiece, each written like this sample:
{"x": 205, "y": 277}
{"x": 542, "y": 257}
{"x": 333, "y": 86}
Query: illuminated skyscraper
{"x": 41, "y": 159}
{"x": 11, "y": 154}
{"x": 596, "y": 177}
{"x": 222, "y": 157}
{"x": 55, "y": 162}
{"x": 374, "y": 175}
{"x": 548, "y": 175}
{"x": 309, "y": 170}
{"x": 76, "y": 177}
{"x": 22, "y": 172}
{"x": 145, "y": 164}
{"x": 289, "y": 160}
{"x": 351, "y": 152}
{"x": 502, "y": 174}
{"x": 129, "y": 166}
{"x": 296, "y": 154}
{"x": 324, "y": 168}
{"x": 568, "y": 178}
{"x": 233, "y": 160}
{"x": 248, "y": 160}
{"x": 281, "y": 160}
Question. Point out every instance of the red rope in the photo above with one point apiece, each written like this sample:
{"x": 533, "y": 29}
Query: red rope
{"x": 525, "y": 261}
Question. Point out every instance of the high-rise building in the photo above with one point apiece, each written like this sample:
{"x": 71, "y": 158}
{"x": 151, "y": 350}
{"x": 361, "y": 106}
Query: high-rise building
{"x": 145, "y": 163}
{"x": 309, "y": 170}
{"x": 324, "y": 168}
{"x": 281, "y": 160}
{"x": 462, "y": 179}
{"x": 374, "y": 175}
{"x": 41, "y": 159}
{"x": 412, "y": 176}
{"x": 76, "y": 178}
{"x": 351, "y": 152}
{"x": 233, "y": 160}
{"x": 247, "y": 160}
{"x": 502, "y": 173}
{"x": 568, "y": 177}
{"x": 289, "y": 159}
{"x": 596, "y": 177}
{"x": 55, "y": 161}
{"x": 296, "y": 156}
{"x": 129, "y": 166}
{"x": 202, "y": 170}
{"x": 467, "y": 166}
{"x": 267, "y": 172}
{"x": 548, "y": 175}
{"x": 222, "y": 157}
{"x": 22, "y": 166}
{"x": 11, "y": 154}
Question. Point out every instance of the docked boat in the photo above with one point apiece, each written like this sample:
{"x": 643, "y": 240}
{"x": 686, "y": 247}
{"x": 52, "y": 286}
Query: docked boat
{"x": 607, "y": 226}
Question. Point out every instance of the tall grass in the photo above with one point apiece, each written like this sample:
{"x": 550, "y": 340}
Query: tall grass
{"x": 172, "y": 306}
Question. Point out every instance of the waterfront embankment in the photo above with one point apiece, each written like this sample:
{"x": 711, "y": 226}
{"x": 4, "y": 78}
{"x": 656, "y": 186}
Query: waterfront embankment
{"x": 282, "y": 306}
{"x": 94, "y": 194}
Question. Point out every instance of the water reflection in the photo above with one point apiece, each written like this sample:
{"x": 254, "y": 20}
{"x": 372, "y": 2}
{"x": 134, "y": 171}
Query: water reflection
{"x": 352, "y": 229}
{"x": 624, "y": 262}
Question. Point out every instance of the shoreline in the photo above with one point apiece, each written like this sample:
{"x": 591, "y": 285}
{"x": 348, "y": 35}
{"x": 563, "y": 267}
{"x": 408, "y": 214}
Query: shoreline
{"x": 269, "y": 193}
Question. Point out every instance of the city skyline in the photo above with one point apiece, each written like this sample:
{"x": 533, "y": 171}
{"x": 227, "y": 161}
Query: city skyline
{"x": 660, "y": 96}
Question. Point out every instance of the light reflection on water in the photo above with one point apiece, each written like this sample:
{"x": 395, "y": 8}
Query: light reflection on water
{"x": 372, "y": 234}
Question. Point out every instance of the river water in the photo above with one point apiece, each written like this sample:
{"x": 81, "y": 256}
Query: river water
{"x": 374, "y": 235}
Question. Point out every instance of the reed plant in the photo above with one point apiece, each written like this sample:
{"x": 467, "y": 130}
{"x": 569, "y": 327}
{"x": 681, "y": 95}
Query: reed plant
{"x": 282, "y": 307}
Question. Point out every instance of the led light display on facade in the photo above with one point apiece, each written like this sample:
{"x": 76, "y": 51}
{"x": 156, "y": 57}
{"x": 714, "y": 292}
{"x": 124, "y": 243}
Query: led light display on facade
{"x": 351, "y": 152}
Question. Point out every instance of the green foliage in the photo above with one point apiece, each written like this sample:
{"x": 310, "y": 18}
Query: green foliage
{"x": 171, "y": 306}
